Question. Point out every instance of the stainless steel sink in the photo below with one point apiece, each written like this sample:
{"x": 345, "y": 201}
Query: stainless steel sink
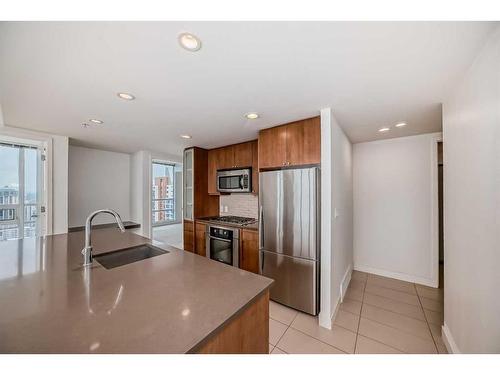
{"x": 130, "y": 255}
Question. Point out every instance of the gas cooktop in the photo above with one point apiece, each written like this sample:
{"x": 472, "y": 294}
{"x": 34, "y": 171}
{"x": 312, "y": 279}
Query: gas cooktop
{"x": 233, "y": 219}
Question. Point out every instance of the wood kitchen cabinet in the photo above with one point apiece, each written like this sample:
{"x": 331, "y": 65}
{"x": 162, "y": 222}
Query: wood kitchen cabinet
{"x": 197, "y": 202}
{"x": 294, "y": 144}
{"x": 240, "y": 155}
{"x": 272, "y": 147}
{"x": 255, "y": 167}
{"x": 200, "y": 241}
{"x": 249, "y": 250}
{"x": 188, "y": 238}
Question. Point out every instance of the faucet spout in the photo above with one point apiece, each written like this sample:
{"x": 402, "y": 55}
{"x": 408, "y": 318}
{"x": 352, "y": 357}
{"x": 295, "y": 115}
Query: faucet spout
{"x": 87, "y": 250}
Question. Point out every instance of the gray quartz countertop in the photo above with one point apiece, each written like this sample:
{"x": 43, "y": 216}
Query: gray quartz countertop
{"x": 166, "y": 304}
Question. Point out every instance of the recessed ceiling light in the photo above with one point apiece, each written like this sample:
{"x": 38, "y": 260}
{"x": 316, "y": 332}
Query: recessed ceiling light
{"x": 400, "y": 124}
{"x": 252, "y": 116}
{"x": 383, "y": 130}
{"x": 189, "y": 42}
{"x": 126, "y": 96}
{"x": 96, "y": 121}
{"x": 186, "y": 136}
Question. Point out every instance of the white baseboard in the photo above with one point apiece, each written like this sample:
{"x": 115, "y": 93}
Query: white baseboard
{"x": 397, "y": 275}
{"x": 448, "y": 340}
{"x": 335, "y": 311}
{"x": 343, "y": 287}
{"x": 345, "y": 282}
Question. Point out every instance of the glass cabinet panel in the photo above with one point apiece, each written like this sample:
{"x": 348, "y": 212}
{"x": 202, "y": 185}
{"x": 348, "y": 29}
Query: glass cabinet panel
{"x": 188, "y": 184}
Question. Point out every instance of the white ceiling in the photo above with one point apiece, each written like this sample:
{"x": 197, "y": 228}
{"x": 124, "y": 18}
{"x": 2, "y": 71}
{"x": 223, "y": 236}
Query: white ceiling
{"x": 54, "y": 76}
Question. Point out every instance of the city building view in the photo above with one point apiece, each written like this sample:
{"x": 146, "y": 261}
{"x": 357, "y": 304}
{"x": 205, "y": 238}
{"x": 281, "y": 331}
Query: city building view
{"x": 9, "y": 219}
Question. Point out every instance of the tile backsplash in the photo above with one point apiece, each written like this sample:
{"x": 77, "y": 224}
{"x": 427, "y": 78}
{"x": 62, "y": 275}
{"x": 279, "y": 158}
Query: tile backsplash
{"x": 246, "y": 205}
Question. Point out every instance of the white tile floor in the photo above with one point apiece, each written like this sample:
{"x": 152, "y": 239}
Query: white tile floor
{"x": 378, "y": 315}
{"x": 170, "y": 234}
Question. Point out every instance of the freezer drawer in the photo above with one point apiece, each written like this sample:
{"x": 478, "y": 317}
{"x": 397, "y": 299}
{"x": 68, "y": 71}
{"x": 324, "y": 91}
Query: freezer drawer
{"x": 295, "y": 280}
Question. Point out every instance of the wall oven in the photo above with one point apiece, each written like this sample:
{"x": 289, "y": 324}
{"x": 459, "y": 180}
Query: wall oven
{"x": 222, "y": 244}
{"x": 234, "y": 181}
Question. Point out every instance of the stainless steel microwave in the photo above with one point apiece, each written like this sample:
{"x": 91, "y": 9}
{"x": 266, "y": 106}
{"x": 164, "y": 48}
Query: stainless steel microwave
{"x": 234, "y": 181}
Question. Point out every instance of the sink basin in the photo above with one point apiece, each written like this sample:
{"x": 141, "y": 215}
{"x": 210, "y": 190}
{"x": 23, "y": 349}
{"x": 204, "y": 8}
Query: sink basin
{"x": 130, "y": 255}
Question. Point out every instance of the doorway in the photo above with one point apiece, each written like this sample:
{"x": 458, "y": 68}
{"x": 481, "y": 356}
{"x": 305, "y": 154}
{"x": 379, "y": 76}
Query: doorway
{"x": 166, "y": 205}
{"x": 22, "y": 206}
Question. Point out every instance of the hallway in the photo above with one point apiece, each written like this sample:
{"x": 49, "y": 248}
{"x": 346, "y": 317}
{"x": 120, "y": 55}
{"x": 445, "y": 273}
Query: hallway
{"x": 378, "y": 315}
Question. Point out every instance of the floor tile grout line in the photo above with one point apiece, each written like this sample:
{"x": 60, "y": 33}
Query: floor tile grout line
{"x": 305, "y": 333}
{"x": 359, "y": 318}
{"x": 278, "y": 341}
{"x": 395, "y": 300}
{"x": 315, "y": 338}
{"x": 397, "y": 329}
{"x": 394, "y": 290}
{"x": 383, "y": 343}
{"x": 395, "y": 312}
{"x": 428, "y": 326}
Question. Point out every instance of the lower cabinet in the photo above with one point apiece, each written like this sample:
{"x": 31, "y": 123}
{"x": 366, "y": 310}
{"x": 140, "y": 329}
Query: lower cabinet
{"x": 188, "y": 235}
{"x": 200, "y": 241}
{"x": 249, "y": 250}
{"x": 245, "y": 333}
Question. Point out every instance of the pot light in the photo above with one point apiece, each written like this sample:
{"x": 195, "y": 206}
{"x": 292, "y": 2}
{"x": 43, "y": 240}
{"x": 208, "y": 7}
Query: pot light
{"x": 186, "y": 136}
{"x": 96, "y": 121}
{"x": 252, "y": 116}
{"x": 126, "y": 96}
{"x": 400, "y": 124}
{"x": 189, "y": 42}
{"x": 383, "y": 130}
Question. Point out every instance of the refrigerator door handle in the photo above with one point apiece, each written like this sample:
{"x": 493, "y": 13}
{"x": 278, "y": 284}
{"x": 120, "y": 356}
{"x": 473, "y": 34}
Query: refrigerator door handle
{"x": 261, "y": 227}
{"x": 261, "y": 262}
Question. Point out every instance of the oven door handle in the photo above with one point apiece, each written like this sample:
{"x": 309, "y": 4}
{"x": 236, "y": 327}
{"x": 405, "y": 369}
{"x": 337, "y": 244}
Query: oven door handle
{"x": 219, "y": 239}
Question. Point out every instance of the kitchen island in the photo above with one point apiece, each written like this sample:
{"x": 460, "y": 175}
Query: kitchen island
{"x": 172, "y": 303}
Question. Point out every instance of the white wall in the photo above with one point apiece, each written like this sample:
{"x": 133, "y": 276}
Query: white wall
{"x": 342, "y": 224}
{"x": 325, "y": 314}
{"x": 140, "y": 191}
{"x": 57, "y": 158}
{"x": 98, "y": 179}
{"x": 336, "y": 230}
{"x": 395, "y": 208}
{"x": 60, "y": 177}
{"x": 471, "y": 129}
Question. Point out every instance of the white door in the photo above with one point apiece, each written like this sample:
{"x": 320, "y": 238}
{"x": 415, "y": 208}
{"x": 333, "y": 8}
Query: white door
{"x": 22, "y": 208}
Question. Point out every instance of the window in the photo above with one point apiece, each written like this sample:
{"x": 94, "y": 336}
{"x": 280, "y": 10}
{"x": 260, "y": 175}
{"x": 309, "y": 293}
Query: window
{"x": 20, "y": 191}
{"x": 163, "y": 194}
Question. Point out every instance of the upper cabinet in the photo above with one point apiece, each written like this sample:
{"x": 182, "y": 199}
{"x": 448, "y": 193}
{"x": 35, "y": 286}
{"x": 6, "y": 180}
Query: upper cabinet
{"x": 235, "y": 156}
{"x": 294, "y": 144}
{"x": 272, "y": 147}
{"x": 242, "y": 155}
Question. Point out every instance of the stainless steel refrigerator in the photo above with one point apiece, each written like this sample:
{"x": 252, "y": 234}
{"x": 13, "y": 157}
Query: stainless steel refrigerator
{"x": 289, "y": 227}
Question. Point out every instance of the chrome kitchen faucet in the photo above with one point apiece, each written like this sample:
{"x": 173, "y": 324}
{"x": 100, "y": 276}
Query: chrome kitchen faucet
{"x": 87, "y": 250}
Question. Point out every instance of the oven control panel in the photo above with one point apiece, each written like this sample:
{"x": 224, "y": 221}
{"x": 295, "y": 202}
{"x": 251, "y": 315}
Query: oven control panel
{"x": 222, "y": 233}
